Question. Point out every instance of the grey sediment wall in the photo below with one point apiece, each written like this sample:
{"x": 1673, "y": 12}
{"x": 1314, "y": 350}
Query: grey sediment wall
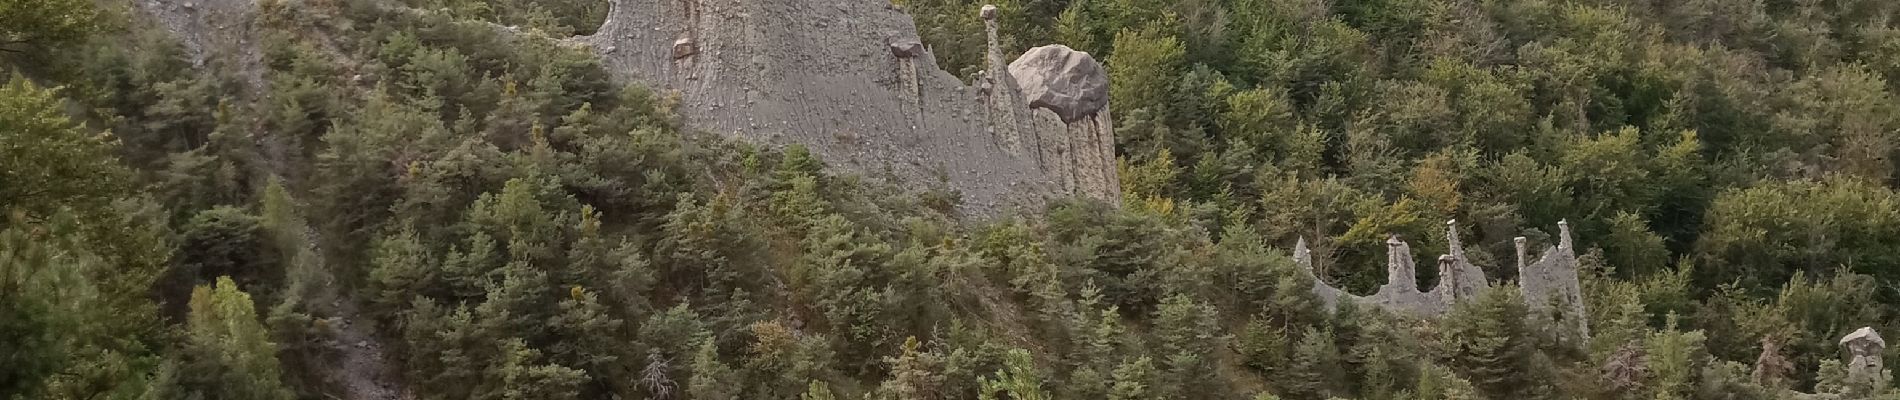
{"x": 841, "y": 78}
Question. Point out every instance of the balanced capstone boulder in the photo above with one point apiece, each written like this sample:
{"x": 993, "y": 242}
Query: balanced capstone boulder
{"x": 1864, "y": 348}
{"x": 1060, "y": 79}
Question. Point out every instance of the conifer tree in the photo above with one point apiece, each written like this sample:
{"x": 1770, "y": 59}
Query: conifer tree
{"x": 229, "y": 352}
{"x": 47, "y": 161}
{"x": 1018, "y": 380}
{"x": 1188, "y": 332}
{"x": 520, "y": 375}
{"x": 711, "y": 379}
{"x": 1310, "y": 373}
{"x": 401, "y": 268}
{"x": 1134, "y": 380}
{"x": 1491, "y": 345}
{"x": 818, "y": 390}
{"x": 913, "y": 375}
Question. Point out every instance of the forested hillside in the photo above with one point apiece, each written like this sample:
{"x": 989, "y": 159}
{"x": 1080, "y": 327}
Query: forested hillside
{"x": 446, "y": 199}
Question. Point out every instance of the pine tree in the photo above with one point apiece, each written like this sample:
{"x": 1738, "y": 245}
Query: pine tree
{"x": 1264, "y": 346}
{"x": 527, "y": 216}
{"x": 521, "y": 303}
{"x": 818, "y": 390}
{"x": 1491, "y": 345}
{"x": 401, "y": 268}
{"x": 1436, "y": 382}
{"x": 913, "y": 375}
{"x": 711, "y": 379}
{"x": 229, "y": 352}
{"x": 847, "y": 276}
{"x": 47, "y": 24}
{"x": 707, "y": 245}
{"x": 47, "y": 161}
{"x": 1311, "y": 373}
{"x": 1187, "y": 333}
{"x": 1675, "y": 361}
{"x": 1018, "y": 380}
{"x": 522, "y": 376}
{"x": 587, "y": 333}
{"x": 1142, "y": 65}
{"x": 1134, "y": 381}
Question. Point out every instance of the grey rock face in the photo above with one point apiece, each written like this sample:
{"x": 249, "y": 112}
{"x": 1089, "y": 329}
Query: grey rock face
{"x": 848, "y": 80}
{"x": 1060, "y": 79}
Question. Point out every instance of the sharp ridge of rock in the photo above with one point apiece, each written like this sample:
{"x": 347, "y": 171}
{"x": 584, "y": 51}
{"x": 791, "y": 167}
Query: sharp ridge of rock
{"x": 1550, "y": 284}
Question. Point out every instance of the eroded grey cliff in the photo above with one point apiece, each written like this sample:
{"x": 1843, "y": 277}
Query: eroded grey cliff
{"x": 850, "y": 80}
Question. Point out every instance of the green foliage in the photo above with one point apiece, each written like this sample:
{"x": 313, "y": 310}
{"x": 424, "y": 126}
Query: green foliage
{"x": 519, "y": 376}
{"x": 1186, "y": 337}
{"x": 1017, "y": 380}
{"x": 818, "y": 391}
{"x": 1144, "y": 60}
{"x": 1632, "y": 248}
{"x": 228, "y": 353}
{"x": 1675, "y": 359}
{"x": 50, "y": 303}
{"x": 1438, "y": 382}
{"x": 227, "y": 241}
{"x": 712, "y": 379}
{"x": 1312, "y": 371}
{"x": 1492, "y": 346}
{"x": 1131, "y": 381}
{"x": 402, "y": 267}
{"x": 47, "y": 161}
{"x": 77, "y": 257}
{"x": 46, "y": 24}
{"x": 514, "y": 224}
{"x": 913, "y": 374}
{"x": 1761, "y": 236}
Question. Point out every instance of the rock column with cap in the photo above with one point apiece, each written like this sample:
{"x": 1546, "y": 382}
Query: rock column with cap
{"x": 999, "y": 90}
{"x": 907, "y": 50}
{"x": 1864, "y": 350}
{"x": 1072, "y": 86}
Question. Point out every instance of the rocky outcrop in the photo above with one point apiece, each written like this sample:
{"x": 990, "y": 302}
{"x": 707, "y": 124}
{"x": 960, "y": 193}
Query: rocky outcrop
{"x": 1866, "y": 377}
{"x": 1056, "y": 78}
{"x": 1550, "y": 284}
{"x": 1864, "y": 350}
{"x": 849, "y": 80}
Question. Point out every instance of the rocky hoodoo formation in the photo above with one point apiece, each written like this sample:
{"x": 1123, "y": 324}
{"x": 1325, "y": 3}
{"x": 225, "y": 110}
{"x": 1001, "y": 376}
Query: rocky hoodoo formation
{"x": 1080, "y": 153}
{"x": 1056, "y": 78}
{"x": 850, "y": 80}
{"x": 1550, "y": 284}
{"x": 1864, "y": 350}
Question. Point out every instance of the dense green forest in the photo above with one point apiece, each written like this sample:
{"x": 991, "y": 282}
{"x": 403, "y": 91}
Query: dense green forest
{"x": 505, "y": 221}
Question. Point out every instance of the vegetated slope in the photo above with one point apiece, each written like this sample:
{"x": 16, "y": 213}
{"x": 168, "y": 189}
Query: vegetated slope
{"x": 519, "y": 226}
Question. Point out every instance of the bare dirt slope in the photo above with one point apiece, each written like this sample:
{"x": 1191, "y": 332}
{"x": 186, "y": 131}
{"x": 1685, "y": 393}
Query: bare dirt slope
{"x": 213, "y": 31}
